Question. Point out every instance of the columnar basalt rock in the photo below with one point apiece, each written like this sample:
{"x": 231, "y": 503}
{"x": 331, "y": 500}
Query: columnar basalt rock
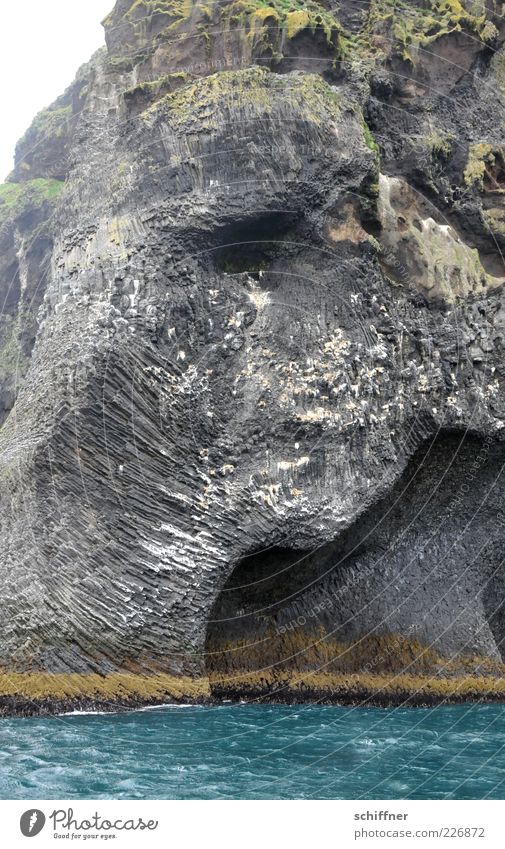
{"x": 257, "y": 424}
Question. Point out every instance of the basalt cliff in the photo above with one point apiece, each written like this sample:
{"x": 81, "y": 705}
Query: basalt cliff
{"x": 252, "y": 361}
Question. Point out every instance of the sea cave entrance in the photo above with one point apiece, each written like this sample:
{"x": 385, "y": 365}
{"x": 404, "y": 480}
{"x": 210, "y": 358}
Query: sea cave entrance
{"x": 244, "y": 632}
{"x": 422, "y": 567}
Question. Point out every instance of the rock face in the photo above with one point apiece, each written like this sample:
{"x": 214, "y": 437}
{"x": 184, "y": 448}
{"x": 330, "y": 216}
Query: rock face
{"x": 252, "y": 349}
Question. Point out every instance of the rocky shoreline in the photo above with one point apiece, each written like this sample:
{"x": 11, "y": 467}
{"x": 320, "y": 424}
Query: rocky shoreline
{"x": 355, "y": 690}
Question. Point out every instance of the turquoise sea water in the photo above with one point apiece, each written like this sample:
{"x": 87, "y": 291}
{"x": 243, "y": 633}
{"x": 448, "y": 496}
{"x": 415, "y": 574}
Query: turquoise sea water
{"x": 258, "y": 752}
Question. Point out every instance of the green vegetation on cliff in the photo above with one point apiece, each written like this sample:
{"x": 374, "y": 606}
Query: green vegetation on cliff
{"x": 484, "y": 165}
{"x": 148, "y": 92}
{"x": 254, "y": 87}
{"x": 369, "y": 137}
{"x": 439, "y": 143}
{"x": 13, "y": 361}
{"x": 50, "y": 123}
{"x": 263, "y": 26}
{"x": 18, "y": 198}
{"x": 289, "y": 16}
{"x": 494, "y": 220}
{"x": 413, "y": 27}
{"x": 292, "y": 15}
{"x": 498, "y": 68}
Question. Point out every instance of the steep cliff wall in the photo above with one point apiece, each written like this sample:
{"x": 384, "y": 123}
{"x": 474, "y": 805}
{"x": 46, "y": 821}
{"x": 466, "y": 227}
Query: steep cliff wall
{"x": 251, "y": 358}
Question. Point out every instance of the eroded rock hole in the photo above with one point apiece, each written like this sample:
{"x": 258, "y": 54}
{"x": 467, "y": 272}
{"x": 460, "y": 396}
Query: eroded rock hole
{"x": 493, "y": 598}
{"x": 252, "y": 246}
{"x": 376, "y": 600}
{"x": 240, "y": 632}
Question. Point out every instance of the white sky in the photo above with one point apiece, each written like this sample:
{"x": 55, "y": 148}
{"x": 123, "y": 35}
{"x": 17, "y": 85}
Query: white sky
{"x": 43, "y": 44}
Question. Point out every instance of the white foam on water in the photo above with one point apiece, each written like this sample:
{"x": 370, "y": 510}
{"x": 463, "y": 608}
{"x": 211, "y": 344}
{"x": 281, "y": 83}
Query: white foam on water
{"x": 168, "y": 705}
{"x": 125, "y": 710}
{"x": 87, "y": 713}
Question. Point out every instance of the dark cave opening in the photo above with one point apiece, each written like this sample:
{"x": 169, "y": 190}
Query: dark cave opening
{"x": 277, "y": 602}
{"x": 240, "y": 631}
{"x": 493, "y": 596}
{"x": 258, "y": 586}
{"x": 251, "y": 246}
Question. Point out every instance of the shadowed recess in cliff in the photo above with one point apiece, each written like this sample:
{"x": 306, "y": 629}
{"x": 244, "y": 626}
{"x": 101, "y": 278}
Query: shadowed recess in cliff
{"x": 282, "y": 610}
{"x": 251, "y": 246}
{"x": 240, "y": 633}
{"x": 493, "y": 599}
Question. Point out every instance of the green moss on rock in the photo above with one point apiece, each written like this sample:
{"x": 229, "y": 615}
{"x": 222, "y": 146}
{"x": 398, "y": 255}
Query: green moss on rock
{"x": 263, "y": 26}
{"x": 50, "y": 123}
{"x": 142, "y": 12}
{"x": 151, "y": 90}
{"x": 265, "y": 21}
{"x": 484, "y": 162}
{"x": 494, "y": 220}
{"x": 18, "y": 198}
{"x": 439, "y": 143}
{"x": 412, "y": 27}
{"x": 143, "y": 9}
{"x": 369, "y": 138}
{"x": 12, "y": 359}
{"x": 498, "y": 70}
{"x": 198, "y": 102}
